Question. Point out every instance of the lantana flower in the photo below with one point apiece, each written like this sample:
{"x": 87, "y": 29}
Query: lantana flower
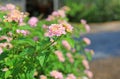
{"x": 6, "y": 38}
{"x": 67, "y": 26}
{"x": 56, "y": 74}
{"x": 89, "y": 74}
{"x": 66, "y": 44}
{"x": 87, "y": 27}
{"x": 87, "y": 40}
{"x": 33, "y": 21}
{"x": 71, "y": 76}
{"x": 70, "y": 57}
{"x": 60, "y": 56}
{"x": 14, "y": 15}
{"x": 24, "y": 32}
{"x": 56, "y": 30}
{"x": 8, "y": 7}
{"x": 85, "y": 63}
{"x": 43, "y": 77}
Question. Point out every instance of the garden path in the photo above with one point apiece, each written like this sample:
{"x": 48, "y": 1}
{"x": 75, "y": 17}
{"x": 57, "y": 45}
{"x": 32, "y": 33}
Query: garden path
{"x": 105, "y": 38}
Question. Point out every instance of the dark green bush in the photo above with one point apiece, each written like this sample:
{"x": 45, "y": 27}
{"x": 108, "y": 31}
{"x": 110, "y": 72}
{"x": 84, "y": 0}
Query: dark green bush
{"x": 94, "y": 10}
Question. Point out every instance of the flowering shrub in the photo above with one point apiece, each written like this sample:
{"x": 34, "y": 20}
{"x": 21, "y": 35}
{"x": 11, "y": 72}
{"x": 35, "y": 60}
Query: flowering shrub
{"x": 41, "y": 49}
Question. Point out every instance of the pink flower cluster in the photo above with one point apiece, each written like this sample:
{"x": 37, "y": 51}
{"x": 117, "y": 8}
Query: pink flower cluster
{"x": 56, "y": 14}
{"x": 69, "y": 55}
{"x": 87, "y": 27}
{"x": 89, "y": 74}
{"x": 7, "y": 7}
{"x": 86, "y": 64}
{"x": 24, "y": 32}
{"x": 33, "y": 21}
{"x": 65, "y": 8}
{"x": 67, "y": 26}
{"x": 43, "y": 77}
{"x": 66, "y": 44}
{"x": 60, "y": 56}
{"x": 56, "y": 74}
{"x": 87, "y": 71}
{"x": 87, "y": 40}
{"x": 6, "y": 38}
{"x": 5, "y": 44}
{"x": 45, "y": 26}
{"x": 71, "y": 76}
{"x": 56, "y": 30}
{"x": 14, "y": 15}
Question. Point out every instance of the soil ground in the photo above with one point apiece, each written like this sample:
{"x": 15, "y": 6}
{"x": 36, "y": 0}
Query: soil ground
{"x": 108, "y": 68}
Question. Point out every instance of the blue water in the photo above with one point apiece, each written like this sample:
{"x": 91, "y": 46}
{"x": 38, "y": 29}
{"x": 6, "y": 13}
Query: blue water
{"x": 105, "y": 44}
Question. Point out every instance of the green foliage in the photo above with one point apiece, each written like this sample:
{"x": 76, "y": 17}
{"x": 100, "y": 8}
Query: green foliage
{"x": 26, "y": 53}
{"x": 93, "y": 10}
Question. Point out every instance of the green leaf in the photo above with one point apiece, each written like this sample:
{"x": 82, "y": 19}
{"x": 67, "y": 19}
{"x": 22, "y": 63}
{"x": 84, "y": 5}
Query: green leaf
{"x": 89, "y": 56}
{"x": 41, "y": 59}
{"x": 7, "y": 74}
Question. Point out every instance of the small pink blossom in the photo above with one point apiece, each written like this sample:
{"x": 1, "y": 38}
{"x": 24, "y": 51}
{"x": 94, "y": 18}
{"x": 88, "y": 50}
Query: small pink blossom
{"x": 89, "y": 74}
{"x": 14, "y": 15}
{"x": 5, "y": 37}
{"x": 85, "y": 63}
{"x": 1, "y": 50}
{"x": 87, "y": 27}
{"x": 67, "y": 26}
{"x": 50, "y": 18}
{"x": 35, "y": 38}
{"x": 43, "y": 77}
{"x": 55, "y": 13}
{"x": 3, "y": 8}
{"x": 69, "y": 55}
{"x": 66, "y": 44}
{"x": 60, "y": 56}
{"x": 61, "y": 13}
{"x": 56, "y": 74}
{"x": 10, "y": 6}
{"x": 18, "y": 31}
{"x": 24, "y": 32}
{"x": 90, "y": 51}
{"x": 21, "y": 23}
{"x": 33, "y": 21}
{"x": 56, "y": 30}
{"x": 83, "y": 21}
{"x": 65, "y": 8}
{"x": 45, "y": 26}
{"x": 87, "y": 40}
{"x": 71, "y": 76}
{"x": 7, "y": 45}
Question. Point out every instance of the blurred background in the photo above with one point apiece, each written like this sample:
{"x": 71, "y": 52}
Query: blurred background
{"x": 103, "y": 17}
